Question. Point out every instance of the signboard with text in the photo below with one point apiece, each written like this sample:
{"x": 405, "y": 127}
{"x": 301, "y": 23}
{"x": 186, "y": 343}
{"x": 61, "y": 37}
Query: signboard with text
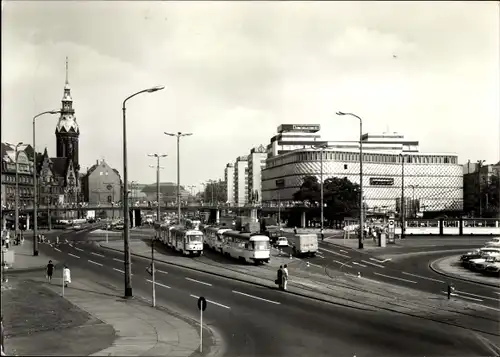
{"x": 391, "y": 231}
{"x": 307, "y": 128}
{"x": 381, "y": 181}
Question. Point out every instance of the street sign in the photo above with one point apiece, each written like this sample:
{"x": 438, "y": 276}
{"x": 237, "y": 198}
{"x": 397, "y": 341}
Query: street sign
{"x": 391, "y": 223}
{"x": 202, "y": 303}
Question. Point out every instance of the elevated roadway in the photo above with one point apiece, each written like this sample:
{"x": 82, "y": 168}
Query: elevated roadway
{"x": 256, "y": 321}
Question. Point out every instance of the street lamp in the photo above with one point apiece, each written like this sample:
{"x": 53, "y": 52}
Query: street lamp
{"x": 322, "y": 148}
{"x": 35, "y": 208}
{"x": 178, "y": 135}
{"x": 126, "y": 228}
{"x": 361, "y": 223}
{"x": 158, "y": 206}
{"x": 479, "y": 165}
{"x": 403, "y": 206}
{"x": 16, "y": 196}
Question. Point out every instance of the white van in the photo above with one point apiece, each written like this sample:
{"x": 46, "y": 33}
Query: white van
{"x": 304, "y": 244}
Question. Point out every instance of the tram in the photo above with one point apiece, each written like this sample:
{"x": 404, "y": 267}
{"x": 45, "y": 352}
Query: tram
{"x": 213, "y": 238}
{"x": 183, "y": 240}
{"x": 252, "y": 248}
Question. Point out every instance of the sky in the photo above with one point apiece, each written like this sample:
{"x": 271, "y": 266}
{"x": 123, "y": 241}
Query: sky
{"x": 234, "y": 71}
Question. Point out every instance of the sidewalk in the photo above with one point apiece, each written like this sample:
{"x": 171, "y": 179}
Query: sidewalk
{"x": 140, "y": 329}
{"x": 24, "y": 259}
{"x": 340, "y": 288}
{"x": 450, "y": 266}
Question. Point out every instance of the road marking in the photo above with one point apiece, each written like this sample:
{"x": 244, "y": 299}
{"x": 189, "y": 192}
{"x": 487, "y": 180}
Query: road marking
{"x": 118, "y": 260}
{"x": 161, "y": 271}
{"x": 160, "y": 284}
{"x": 210, "y": 301}
{"x": 461, "y": 296}
{"x": 489, "y": 307}
{"x": 332, "y": 252}
{"x": 377, "y": 265}
{"x": 343, "y": 251}
{"x": 57, "y": 249}
{"x": 496, "y": 293}
{"x": 256, "y": 297}
{"x": 314, "y": 265}
{"x": 74, "y": 256}
{"x": 71, "y": 245}
{"x": 319, "y": 255}
{"x": 99, "y": 255}
{"x": 393, "y": 277}
{"x": 91, "y": 261}
{"x": 364, "y": 266}
{"x": 380, "y": 261}
{"x": 479, "y": 296}
{"x": 121, "y": 271}
{"x": 343, "y": 264}
{"x": 81, "y": 250}
{"x": 422, "y": 277}
{"x": 199, "y": 282}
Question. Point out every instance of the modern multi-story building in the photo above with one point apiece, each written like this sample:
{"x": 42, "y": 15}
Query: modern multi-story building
{"x": 291, "y": 137}
{"x": 229, "y": 183}
{"x": 432, "y": 179}
{"x": 256, "y": 162}
{"x": 241, "y": 181}
{"x": 25, "y": 177}
{"x": 477, "y": 177}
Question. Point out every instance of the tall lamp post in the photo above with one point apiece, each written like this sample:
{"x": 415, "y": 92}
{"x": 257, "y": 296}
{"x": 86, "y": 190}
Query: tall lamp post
{"x": 16, "y": 196}
{"x": 403, "y": 206}
{"x": 178, "y": 135}
{"x": 361, "y": 208}
{"x": 479, "y": 165}
{"x": 35, "y": 198}
{"x": 126, "y": 228}
{"x": 158, "y": 204}
{"x": 322, "y": 149}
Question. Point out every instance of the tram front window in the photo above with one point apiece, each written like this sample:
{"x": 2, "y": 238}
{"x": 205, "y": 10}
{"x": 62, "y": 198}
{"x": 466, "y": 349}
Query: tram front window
{"x": 260, "y": 245}
{"x": 194, "y": 239}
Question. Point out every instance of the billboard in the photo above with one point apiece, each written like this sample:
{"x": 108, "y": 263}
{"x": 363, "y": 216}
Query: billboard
{"x": 304, "y": 128}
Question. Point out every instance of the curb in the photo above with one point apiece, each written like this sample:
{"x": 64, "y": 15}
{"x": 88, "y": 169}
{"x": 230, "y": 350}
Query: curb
{"x": 246, "y": 281}
{"x": 440, "y": 272}
{"x": 9, "y": 272}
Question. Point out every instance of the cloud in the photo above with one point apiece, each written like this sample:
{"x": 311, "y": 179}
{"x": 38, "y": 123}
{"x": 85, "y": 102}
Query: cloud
{"x": 234, "y": 71}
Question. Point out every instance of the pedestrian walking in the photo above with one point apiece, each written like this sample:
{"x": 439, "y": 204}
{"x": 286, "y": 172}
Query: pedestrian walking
{"x": 66, "y": 276}
{"x": 322, "y": 234}
{"x": 50, "y": 271}
{"x": 279, "y": 280}
{"x": 285, "y": 276}
{"x": 294, "y": 230}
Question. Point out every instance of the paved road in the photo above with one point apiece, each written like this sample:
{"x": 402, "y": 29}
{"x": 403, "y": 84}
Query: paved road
{"x": 256, "y": 321}
{"x": 413, "y": 272}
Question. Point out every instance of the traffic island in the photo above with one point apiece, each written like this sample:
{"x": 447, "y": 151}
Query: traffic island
{"x": 450, "y": 266}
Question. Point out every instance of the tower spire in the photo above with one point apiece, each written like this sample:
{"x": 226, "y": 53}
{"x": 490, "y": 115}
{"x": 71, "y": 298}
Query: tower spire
{"x": 67, "y": 81}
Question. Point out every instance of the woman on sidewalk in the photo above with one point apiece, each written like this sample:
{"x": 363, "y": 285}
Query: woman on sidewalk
{"x": 66, "y": 276}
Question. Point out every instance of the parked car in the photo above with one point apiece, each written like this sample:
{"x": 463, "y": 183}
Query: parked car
{"x": 485, "y": 254}
{"x": 480, "y": 266}
{"x": 493, "y": 268}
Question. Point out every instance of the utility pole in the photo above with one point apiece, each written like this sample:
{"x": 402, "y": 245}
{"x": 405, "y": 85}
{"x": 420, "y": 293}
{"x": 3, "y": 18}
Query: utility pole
{"x": 158, "y": 206}
{"x": 179, "y": 203}
{"x": 402, "y": 195}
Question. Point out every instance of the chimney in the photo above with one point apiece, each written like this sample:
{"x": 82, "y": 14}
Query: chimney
{"x": 97, "y": 162}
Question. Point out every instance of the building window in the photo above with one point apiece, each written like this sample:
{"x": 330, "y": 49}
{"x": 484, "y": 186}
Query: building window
{"x": 345, "y": 166}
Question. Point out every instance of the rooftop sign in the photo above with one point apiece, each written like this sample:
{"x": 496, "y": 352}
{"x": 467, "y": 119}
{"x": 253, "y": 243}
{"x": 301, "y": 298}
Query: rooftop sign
{"x": 304, "y": 128}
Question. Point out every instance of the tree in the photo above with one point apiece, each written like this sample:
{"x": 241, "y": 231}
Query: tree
{"x": 310, "y": 190}
{"x": 490, "y": 197}
{"x": 218, "y": 189}
{"x": 341, "y": 196}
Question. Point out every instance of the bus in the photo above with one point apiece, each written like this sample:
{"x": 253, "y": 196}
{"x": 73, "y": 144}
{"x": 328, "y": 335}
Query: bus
{"x": 252, "y": 248}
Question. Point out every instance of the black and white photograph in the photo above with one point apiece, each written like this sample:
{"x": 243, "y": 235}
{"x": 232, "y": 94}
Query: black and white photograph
{"x": 250, "y": 178}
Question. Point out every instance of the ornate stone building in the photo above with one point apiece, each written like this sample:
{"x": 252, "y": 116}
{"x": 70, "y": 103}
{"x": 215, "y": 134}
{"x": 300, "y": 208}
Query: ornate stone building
{"x": 59, "y": 176}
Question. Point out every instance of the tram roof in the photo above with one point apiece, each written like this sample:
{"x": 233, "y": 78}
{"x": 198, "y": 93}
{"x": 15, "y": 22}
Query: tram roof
{"x": 245, "y": 235}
